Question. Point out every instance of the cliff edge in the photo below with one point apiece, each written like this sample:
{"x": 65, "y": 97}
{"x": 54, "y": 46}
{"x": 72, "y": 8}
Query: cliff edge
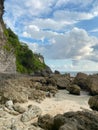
{"x": 7, "y": 58}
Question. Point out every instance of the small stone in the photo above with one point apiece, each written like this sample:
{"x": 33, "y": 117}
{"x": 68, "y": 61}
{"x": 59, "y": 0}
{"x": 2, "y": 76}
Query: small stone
{"x": 18, "y": 108}
{"x": 33, "y": 111}
{"x": 9, "y": 104}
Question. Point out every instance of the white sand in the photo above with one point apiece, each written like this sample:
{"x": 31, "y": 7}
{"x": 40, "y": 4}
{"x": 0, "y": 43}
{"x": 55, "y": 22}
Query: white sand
{"x": 61, "y": 103}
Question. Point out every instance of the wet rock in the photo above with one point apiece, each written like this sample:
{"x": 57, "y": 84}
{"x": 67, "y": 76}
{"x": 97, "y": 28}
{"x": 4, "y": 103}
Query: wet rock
{"x": 31, "y": 113}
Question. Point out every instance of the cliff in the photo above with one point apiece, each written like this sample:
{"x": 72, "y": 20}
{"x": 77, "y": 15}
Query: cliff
{"x": 16, "y": 56}
{"x": 7, "y": 58}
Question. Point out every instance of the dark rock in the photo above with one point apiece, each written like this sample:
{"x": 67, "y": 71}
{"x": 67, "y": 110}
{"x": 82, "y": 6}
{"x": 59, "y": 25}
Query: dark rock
{"x": 59, "y": 120}
{"x": 92, "y": 83}
{"x": 93, "y": 102}
{"x": 45, "y": 72}
{"x": 45, "y": 122}
{"x": 74, "y": 89}
{"x": 56, "y": 72}
{"x": 62, "y": 81}
{"x": 81, "y": 120}
{"x": 80, "y": 80}
{"x": 51, "y": 81}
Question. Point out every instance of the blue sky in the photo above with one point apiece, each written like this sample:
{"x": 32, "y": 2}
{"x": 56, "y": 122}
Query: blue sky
{"x": 65, "y": 32}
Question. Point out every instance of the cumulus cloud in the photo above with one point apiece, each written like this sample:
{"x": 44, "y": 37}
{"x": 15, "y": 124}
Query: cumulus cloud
{"x": 76, "y": 45}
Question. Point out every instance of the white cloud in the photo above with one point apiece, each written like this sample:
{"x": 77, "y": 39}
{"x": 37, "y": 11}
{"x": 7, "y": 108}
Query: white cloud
{"x": 34, "y": 28}
{"x": 66, "y": 65}
{"x": 76, "y": 2}
{"x": 71, "y": 16}
{"x": 25, "y": 34}
{"x": 94, "y": 30}
{"x": 46, "y": 14}
{"x": 76, "y": 44}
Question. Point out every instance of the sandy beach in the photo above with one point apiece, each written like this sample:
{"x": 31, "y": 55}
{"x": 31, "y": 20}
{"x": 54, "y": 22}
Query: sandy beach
{"x": 61, "y": 103}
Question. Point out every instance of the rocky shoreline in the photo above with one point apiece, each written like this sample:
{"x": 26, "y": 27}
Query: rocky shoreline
{"x": 39, "y": 102}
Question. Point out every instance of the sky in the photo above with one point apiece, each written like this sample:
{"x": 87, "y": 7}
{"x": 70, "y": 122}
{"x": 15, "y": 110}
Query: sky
{"x": 65, "y": 32}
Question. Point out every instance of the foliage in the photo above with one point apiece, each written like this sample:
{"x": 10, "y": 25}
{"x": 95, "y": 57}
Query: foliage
{"x": 26, "y": 61}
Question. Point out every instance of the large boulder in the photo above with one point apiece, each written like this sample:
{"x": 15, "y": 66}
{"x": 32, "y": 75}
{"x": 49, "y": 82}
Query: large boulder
{"x": 81, "y": 120}
{"x": 93, "y": 102}
{"x": 80, "y": 80}
{"x": 74, "y": 89}
{"x": 45, "y": 122}
{"x": 92, "y": 83}
{"x": 62, "y": 81}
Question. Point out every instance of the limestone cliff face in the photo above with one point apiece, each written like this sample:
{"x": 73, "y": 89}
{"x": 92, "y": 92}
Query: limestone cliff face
{"x": 7, "y": 58}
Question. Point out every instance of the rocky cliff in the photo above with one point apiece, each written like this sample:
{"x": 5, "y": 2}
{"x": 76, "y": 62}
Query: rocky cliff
{"x": 7, "y": 58}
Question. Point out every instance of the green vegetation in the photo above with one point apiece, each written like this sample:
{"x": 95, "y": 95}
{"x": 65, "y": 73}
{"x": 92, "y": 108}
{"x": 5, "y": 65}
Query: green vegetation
{"x": 26, "y": 60}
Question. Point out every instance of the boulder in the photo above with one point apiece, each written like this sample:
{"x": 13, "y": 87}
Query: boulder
{"x": 56, "y": 72}
{"x": 59, "y": 120}
{"x": 31, "y": 113}
{"x": 62, "y": 81}
{"x": 81, "y": 120}
{"x": 19, "y": 108}
{"x": 74, "y": 89}
{"x": 15, "y": 89}
{"x": 45, "y": 122}
{"x": 37, "y": 95}
{"x": 51, "y": 81}
{"x": 80, "y": 80}
{"x": 92, "y": 83}
{"x": 15, "y": 96}
{"x": 93, "y": 102}
{"x": 9, "y": 104}
{"x": 45, "y": 72}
